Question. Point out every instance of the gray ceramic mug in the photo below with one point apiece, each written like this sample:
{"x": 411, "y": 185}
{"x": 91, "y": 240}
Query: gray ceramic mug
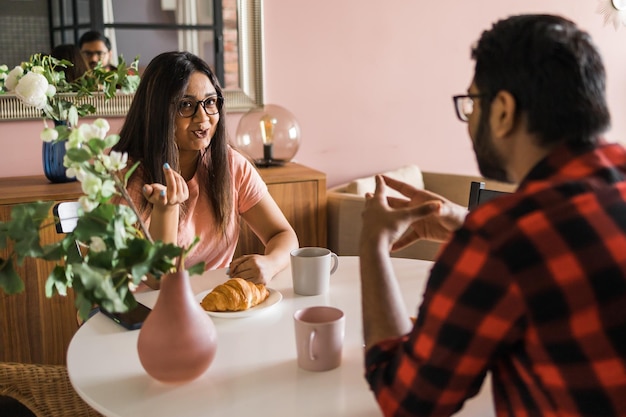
{"x": 311, "y": 269}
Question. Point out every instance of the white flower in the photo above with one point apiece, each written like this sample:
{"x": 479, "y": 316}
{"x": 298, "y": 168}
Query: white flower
{"x": 31, "y": 89}
{"x": 38, "y": 69}
{"x": 76, "y": 138}
{"x": 72, "y": 116}
{"x": 90, "y": 183}
{"x": 52, "y": 90}
{"x": 108, "y": 188}
{"x": 49, "y": 134}
{"x": 13, "y": 78}
{"x": 130, "y": 218}
{"x": 99, "y": 166}
{"x": 87, "y": 204}
{"x": 103, "y": 125}
{"x": 115, "y": 161}
{"x": 97, "y": 244}
{"x": 74, "y": 170}
{"x": 91, "y": 131}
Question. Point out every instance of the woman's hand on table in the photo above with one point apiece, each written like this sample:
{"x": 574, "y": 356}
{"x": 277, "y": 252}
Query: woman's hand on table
{"x": 254, "y": 268}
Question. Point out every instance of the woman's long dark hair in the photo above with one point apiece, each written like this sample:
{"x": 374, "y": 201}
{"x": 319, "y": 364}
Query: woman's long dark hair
{"x": 148, "y": 133}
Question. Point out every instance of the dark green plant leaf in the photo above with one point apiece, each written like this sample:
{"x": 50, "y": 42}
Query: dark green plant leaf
{"x": 96, "y": 146}
{"x": 196, "y": 269}
{"x": 57, "y": 282}
{"x": 130, "y": 172}
{"x": 79, "y": 154}
{"x": 10, "y": 281}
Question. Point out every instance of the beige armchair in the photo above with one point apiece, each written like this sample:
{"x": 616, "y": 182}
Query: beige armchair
{"x": 345, "y": 204}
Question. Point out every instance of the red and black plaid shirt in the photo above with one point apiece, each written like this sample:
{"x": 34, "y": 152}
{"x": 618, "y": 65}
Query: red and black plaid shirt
{"x": 531, "y": 288}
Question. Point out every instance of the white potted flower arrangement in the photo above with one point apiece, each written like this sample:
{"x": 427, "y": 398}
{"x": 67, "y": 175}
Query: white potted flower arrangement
{"x": 40, "y": 82}
{"x": 120, "y": 252}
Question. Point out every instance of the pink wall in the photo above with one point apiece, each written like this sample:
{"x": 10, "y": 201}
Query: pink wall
{"x": 371, "y": 82}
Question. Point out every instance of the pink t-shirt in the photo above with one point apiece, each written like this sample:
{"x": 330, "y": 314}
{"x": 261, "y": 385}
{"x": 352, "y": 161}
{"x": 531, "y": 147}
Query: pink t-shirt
{"x": 214, "y": 249}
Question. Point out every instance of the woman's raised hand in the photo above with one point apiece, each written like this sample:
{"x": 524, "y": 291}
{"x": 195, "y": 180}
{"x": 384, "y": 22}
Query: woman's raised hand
{"x": 174, "y": 192}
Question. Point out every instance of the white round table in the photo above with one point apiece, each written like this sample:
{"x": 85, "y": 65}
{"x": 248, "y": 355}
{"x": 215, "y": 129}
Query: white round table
{"x": 254, "y": 372}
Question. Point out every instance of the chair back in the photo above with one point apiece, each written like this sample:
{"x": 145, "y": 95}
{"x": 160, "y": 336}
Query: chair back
{"x": 479, "y": 194}
{"x": 66, "y": 216}
{"x": 67, "y": 213}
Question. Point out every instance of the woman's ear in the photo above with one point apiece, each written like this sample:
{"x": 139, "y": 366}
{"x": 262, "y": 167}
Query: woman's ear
{"x": 502, "y": 118}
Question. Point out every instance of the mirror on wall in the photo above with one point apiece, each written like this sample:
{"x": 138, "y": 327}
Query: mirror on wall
{"x": 243, "y": 78}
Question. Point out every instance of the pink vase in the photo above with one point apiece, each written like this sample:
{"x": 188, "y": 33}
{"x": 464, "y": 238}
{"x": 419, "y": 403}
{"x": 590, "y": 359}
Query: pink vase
{"x": 177, "y": 342}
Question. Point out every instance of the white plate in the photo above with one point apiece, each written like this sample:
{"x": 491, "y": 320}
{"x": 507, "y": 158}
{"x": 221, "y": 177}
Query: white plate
{"x": 273, "y": 299}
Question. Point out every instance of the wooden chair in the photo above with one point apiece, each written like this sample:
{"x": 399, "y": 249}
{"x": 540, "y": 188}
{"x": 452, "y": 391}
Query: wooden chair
{"x": 44, "y": 389}
{"x": 479, "y": 194}
{"x": 67, "y": 215}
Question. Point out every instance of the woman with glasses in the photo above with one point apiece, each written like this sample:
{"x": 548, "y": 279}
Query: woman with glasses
{"x": 190, "y": 181}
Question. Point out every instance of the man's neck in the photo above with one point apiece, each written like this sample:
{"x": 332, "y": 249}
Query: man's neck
{"x": 526, "y": 154}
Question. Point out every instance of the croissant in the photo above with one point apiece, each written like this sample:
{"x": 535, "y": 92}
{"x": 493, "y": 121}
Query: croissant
{"x": 236, "y": 294}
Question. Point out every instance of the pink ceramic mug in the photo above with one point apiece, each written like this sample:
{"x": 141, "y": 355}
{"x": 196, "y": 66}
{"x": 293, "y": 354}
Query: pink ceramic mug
{"x": 319, "y": 337}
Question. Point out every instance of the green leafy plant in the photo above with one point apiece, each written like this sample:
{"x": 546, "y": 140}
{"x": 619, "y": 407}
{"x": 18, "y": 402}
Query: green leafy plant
{"x": 40, "y": 82}
{"x": 119, "y": 251}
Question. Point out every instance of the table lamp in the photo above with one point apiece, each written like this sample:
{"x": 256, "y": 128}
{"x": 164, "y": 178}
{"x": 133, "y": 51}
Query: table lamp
{"x": 270, "y": 135}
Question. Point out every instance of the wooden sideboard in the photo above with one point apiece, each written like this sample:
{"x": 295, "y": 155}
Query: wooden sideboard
{"x": 300, "y": 192}
{"x": 37, "y": 329}
{"x": 34, "y": 328}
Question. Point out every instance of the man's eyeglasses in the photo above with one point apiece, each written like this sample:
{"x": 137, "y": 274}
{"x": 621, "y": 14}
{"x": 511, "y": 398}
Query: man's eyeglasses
{"x": 89, "y": 54}
{"x": 211, "y": 106}
{"x": 464, "y": 105}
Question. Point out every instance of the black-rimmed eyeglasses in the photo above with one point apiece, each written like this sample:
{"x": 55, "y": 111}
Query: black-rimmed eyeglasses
{"x": 211, "y": 106}
{"x": 464, "y": 105}
{"x": 89, "y": 54}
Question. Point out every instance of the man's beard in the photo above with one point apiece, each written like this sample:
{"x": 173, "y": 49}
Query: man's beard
{"x": 490, "y": 163}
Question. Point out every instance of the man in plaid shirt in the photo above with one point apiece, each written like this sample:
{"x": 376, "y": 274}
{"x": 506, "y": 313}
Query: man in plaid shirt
{"x": 530, "y": 286}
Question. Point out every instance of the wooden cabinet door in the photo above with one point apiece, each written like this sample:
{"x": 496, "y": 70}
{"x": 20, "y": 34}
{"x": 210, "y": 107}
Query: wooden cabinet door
{"x": 300, "y": 192}
{"x": 34, "y": 328}
{"x": 299, "y": 204}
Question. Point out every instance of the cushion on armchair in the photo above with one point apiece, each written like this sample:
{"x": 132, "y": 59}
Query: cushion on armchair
{"x": 345, "y": 205}
{"x": 411, "y": 174}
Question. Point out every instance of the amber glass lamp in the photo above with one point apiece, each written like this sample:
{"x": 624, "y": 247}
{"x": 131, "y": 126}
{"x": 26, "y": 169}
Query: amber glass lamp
{"x": 270, "y": 135}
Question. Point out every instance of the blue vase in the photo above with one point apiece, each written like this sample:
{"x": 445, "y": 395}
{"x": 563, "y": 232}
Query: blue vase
{"x": 52, "y": 158}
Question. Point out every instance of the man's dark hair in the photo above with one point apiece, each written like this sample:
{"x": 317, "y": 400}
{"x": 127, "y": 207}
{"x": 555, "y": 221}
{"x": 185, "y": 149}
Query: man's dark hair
{"x": 553, "y": 70}
{"x": 92, "y": 36}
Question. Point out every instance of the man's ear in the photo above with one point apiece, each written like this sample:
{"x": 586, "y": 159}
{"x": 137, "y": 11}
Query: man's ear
{"x": 502, "y": 117}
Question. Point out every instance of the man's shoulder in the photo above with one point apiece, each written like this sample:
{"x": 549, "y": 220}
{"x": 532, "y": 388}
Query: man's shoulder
{"x": 548, "y": 202}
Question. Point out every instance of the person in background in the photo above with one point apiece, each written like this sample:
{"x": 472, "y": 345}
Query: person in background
{"x": 95, "y": 48}
{"x": 190, "y": 181}
{"x": 71, "y": 52}
{"x": 531, "y": 286}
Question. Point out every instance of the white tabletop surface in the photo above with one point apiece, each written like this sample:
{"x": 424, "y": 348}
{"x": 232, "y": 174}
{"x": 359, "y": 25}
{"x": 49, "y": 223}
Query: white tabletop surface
{"x": 254, "y": 372}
